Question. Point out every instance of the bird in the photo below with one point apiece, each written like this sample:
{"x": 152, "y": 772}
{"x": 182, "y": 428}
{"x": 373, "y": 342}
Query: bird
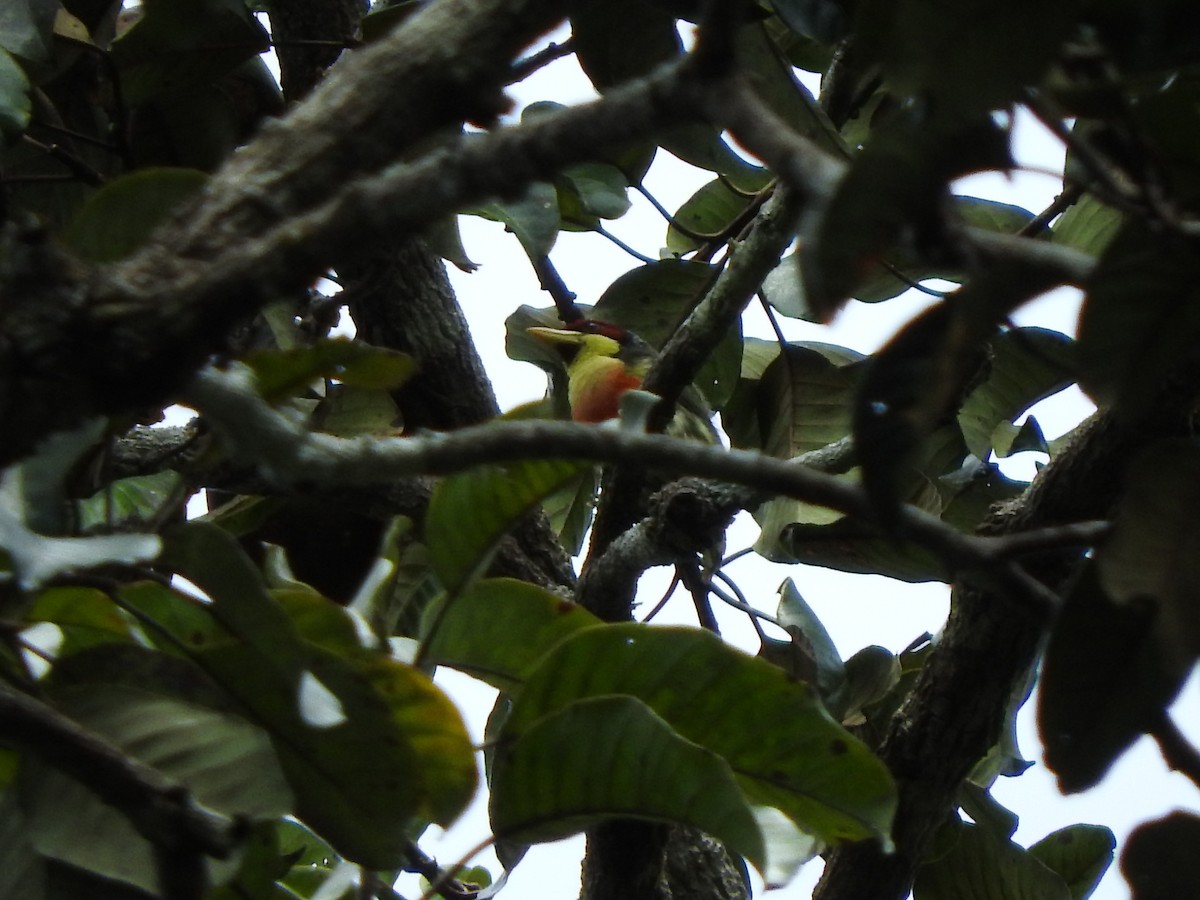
{"x": 604, "y": 361}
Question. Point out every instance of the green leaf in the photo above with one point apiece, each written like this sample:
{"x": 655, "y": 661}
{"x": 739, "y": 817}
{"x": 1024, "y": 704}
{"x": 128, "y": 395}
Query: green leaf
{"x": 984, "y": 866}
{"x": 85, "y": 616}
{"x": 616, "y": 40}
{"x": 227, "y": 763}
{"x": 653, "y": 299}
{"x": 350, "y": 411}
{"x": 960, "y": 57}
{"x": 1026, "y": 365}
{"x": 706, "y": 215}
{"x": 1089, "y": 226}
{"x": 805, "y": 399}
{"x": 892, "y": 190}
{"x": 1160, "y": 861}
{"x": 498, "y": 629}
{"x": 470, "y": 512}
{"x": 15, "y": 105}
{"x": 278, "y": 373}
{"x": 118, "y": 218}
{"x": 591, "y": 191}
{"x": 770, "y": 76}
{"x": 811, "y": 769}
{"x": 827, "y": 671}
{"x": 64, "y": 821}
{"x": 345, "y": 720}
{"x": 1009, "y": 439}
{"x": 554, "y": 780}
{"x": 702, "y": 146}
{"x": 444, "y": 237}
{"x": 783, "y": 288}
{"x": 533, "y": 218}
{"x": 1080, "y": 854}
{"x": 1154, "y": 550}
{"x": 27, "y": 28}
{"x": 822, "y": 20}
{"x": 962, "y": 497}
{"x": 908, "y": 391}
{"x": 1140, "y": 317}
{"x": 1114, "y": 653}
{"x": 848, "y": 547}
{"x": 22, "y": 872}
{"x": 184, "y": 43}
{"x": 130, "y": 502}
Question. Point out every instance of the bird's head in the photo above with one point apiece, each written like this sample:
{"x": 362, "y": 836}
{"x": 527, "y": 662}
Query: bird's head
{"x": 585, "y": 339}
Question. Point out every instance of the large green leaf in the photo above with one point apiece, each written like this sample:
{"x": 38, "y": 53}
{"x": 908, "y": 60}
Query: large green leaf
{"x": 707, "y": 215}
{"x": 962, "y": 497}
{"x": 533, "y": 218}
{"x": 1080, "y": 854}
{"x": 279, "y": 372}
{"x": 771, "y": 77}
{"x": 826, "y": 671}
{"x": 1108, "y": 674}
{"x": 1025, "y": 366}
{"x": 653, "y": 299}
{"x": 810, "y": 768}
{"x": 985, "y": 866}
{"x": 21, "y": 869}
{"x": 499, "y": 628}
{"x": 893, "y": 190}
{"x": 1140, "y": 317}
{"x": 805, "y": 400}
{"x": 367, "y": 744}
{"x": 183, "y": 43}
{"x": 1089, "y": 225}
{"x": 616, "y": 40}
{"x": 132, "y": 502}
{"x": 27, "y": 28}
{"x": 908, "y": 391}
{"x": 470, "y": 512}
{"x": 588, "y": 192}
{"x": 119, "y": 217}
{"x": 641, "y": 769}
{"x": 226, "y": 763}
{"x": 1154, "y": 550}
{"x": 963, "y": 56}
{"x": 84, "y": 616}
{"x": 15, "y": 106}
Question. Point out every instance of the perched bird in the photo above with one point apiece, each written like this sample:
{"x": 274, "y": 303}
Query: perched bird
{"x": 603, "y": 362}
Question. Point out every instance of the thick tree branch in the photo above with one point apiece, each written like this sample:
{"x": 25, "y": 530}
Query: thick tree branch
{"x": 81, "y": 342}
{"x": 954, "y": 713}
{"x": 681, "y": 359}
{"x": 287, "y": 451}
{"x": 132, "y": 337}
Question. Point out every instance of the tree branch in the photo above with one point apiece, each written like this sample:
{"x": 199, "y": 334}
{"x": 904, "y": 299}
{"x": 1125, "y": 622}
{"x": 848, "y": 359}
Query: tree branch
{"x": 281, "y": 443}
{"x": 955, "y": 711}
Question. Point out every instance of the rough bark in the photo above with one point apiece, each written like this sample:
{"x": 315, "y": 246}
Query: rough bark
{"x": 957, "y": 708}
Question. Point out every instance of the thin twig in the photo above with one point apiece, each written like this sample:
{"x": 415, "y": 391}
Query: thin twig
{"x": 636, "y": 254}
{"x": 666, "y": 596}
{"x": 689, "y": 574}
{"x": 1178, "y": 752}
{"x": 523, "y": 68}
{"x": 552, "y": 284}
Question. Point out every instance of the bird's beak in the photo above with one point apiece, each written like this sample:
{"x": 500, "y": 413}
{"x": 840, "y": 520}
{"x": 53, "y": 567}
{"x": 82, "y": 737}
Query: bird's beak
{"x": 557, "y": 336}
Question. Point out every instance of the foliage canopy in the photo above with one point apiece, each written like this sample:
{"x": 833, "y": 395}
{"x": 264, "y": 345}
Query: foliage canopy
{"x": 241, "y": 705}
